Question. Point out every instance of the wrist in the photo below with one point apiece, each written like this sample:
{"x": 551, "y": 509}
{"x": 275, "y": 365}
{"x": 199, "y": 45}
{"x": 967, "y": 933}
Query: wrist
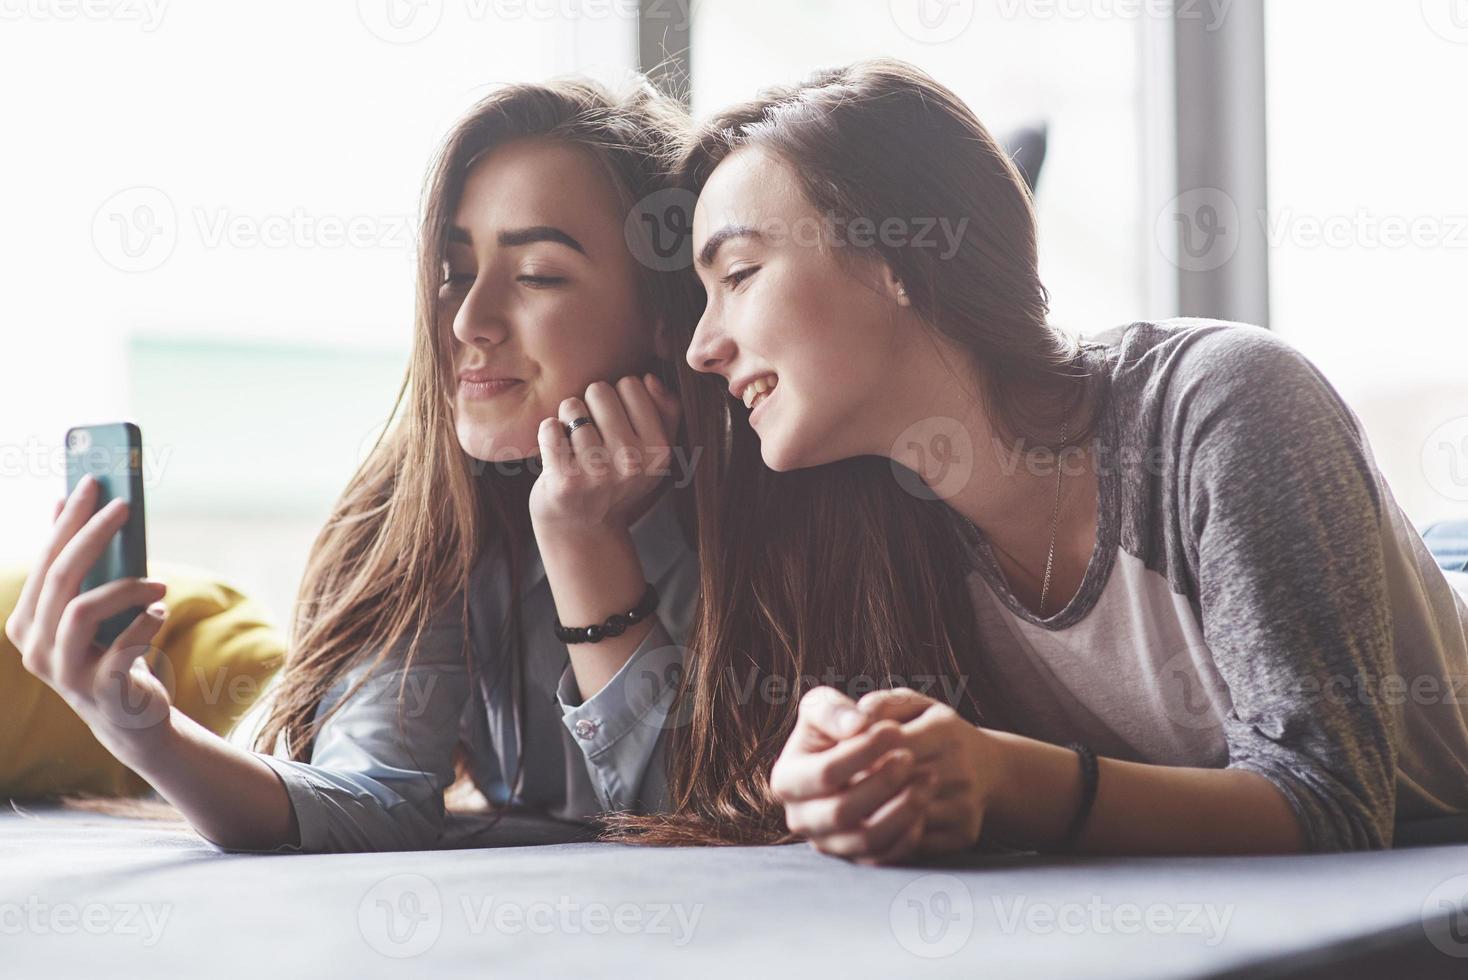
{"x": 995, "y": 752}
{"x": 136, "y": 741}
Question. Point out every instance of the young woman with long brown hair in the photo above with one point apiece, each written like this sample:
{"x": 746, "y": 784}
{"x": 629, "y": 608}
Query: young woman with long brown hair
{"x": 1168, "y": 547}
{"x": 429, "y": 617}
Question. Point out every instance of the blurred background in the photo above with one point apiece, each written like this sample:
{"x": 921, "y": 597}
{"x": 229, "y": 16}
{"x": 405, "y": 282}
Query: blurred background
{"x": 208, "y": 208}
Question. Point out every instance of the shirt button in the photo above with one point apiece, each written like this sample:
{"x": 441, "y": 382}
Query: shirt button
{"x": 586, "y": 728}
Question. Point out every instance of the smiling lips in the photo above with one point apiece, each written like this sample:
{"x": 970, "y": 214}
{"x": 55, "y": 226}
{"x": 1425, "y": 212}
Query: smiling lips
{"x": 484, "y": 383}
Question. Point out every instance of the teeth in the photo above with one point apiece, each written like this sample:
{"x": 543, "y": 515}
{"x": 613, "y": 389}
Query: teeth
{"x": 754, "y": 389}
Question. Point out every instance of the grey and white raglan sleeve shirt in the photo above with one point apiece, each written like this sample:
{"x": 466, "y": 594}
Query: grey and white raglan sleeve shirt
{"x": 1256, "y": 596}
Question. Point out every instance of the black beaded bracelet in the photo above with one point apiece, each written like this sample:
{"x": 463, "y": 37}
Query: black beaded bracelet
{"x": 1089, "y": 779}
{"x": 615, "y": 625}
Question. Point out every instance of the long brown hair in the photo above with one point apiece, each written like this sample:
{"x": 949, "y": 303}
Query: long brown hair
{"x": 419, "y": 512}
{"x": 836, "y": 574}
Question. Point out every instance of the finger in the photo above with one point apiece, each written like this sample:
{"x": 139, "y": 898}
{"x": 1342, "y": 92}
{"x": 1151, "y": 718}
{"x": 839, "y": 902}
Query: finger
{"x": 898, "y": 703}
{"x": 64, "y": 578}
{"x": 905, "y": 846}
{"x": 65, "y": 522}
{"x": 806, "y": 775}
{"x": 882, "y": 830}
{"x": 133, "y": 642}
{"x": 622, "y": 446}
{"x": 642, "y": 412}
{"x": 586, "y": 443}
{"x": 555, "y": 448}
{"x": 78, "y": 624}
{"x": 669, "y": 405}
{"x": 824, "y": 717}
{"x": 110, "y": 684}
{"x": 846, "y": 809}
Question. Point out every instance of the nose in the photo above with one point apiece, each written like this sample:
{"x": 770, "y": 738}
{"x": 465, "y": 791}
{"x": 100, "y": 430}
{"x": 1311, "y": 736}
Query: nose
{"x": 480, "y": 317}
{"x": 711, "y": 349}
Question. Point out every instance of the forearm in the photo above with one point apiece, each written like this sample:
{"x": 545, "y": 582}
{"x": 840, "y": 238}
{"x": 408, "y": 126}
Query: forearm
{"x": 226, "y": 792}
{"x": 596, "y": 574}
{"x": 1139, "y": 808}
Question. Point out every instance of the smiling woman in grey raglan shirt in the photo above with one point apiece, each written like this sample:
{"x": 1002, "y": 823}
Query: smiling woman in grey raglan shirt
{"x": 1214, "y": 592}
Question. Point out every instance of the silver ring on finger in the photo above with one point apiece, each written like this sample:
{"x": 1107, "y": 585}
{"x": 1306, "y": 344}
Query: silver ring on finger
{"x": 575, "y": 424}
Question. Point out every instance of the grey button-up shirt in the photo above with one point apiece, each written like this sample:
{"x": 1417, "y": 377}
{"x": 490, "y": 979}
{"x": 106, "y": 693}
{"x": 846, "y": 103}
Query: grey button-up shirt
{"x": 379, "y": 767}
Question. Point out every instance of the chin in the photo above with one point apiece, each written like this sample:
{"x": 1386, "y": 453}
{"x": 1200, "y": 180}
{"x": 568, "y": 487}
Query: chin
{"x": 496, "y": 446}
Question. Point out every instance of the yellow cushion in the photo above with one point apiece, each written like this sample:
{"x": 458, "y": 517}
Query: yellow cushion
{"x": 216, "y": 652}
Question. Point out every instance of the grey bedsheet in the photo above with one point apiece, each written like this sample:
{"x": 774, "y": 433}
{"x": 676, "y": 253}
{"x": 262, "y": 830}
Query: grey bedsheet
{"x": 98, "y": 896}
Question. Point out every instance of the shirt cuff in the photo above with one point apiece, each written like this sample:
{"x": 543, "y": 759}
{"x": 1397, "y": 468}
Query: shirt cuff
{"x": 618, "y": 727}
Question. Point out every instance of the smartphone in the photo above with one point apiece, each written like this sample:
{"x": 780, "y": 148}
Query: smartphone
{"x": 113, "y": 454}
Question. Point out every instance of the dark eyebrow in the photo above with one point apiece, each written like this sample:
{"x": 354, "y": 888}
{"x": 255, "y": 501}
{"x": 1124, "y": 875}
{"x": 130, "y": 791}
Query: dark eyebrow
{"x": 718, "y": 238}
{"x": 523, "y": 236}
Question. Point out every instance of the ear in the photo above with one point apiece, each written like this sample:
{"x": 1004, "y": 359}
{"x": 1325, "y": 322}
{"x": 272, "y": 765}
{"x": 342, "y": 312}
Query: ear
{"x": 894, "y": 288}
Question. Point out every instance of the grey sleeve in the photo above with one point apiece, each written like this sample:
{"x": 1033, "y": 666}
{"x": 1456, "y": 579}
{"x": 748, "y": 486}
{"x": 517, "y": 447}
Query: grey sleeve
{"x": 380, "y": 765}
{"x": 619, "y": 727}
{"x": 1282, "y": 511}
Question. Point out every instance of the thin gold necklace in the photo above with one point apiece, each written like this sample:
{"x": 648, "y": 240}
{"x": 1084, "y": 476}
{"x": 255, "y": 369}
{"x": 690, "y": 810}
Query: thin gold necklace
{"x": 1054, "y": 520}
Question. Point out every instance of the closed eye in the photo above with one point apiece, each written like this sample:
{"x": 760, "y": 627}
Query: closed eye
{"x": 541, "y": 282}
{"x": 738, "y": 276}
